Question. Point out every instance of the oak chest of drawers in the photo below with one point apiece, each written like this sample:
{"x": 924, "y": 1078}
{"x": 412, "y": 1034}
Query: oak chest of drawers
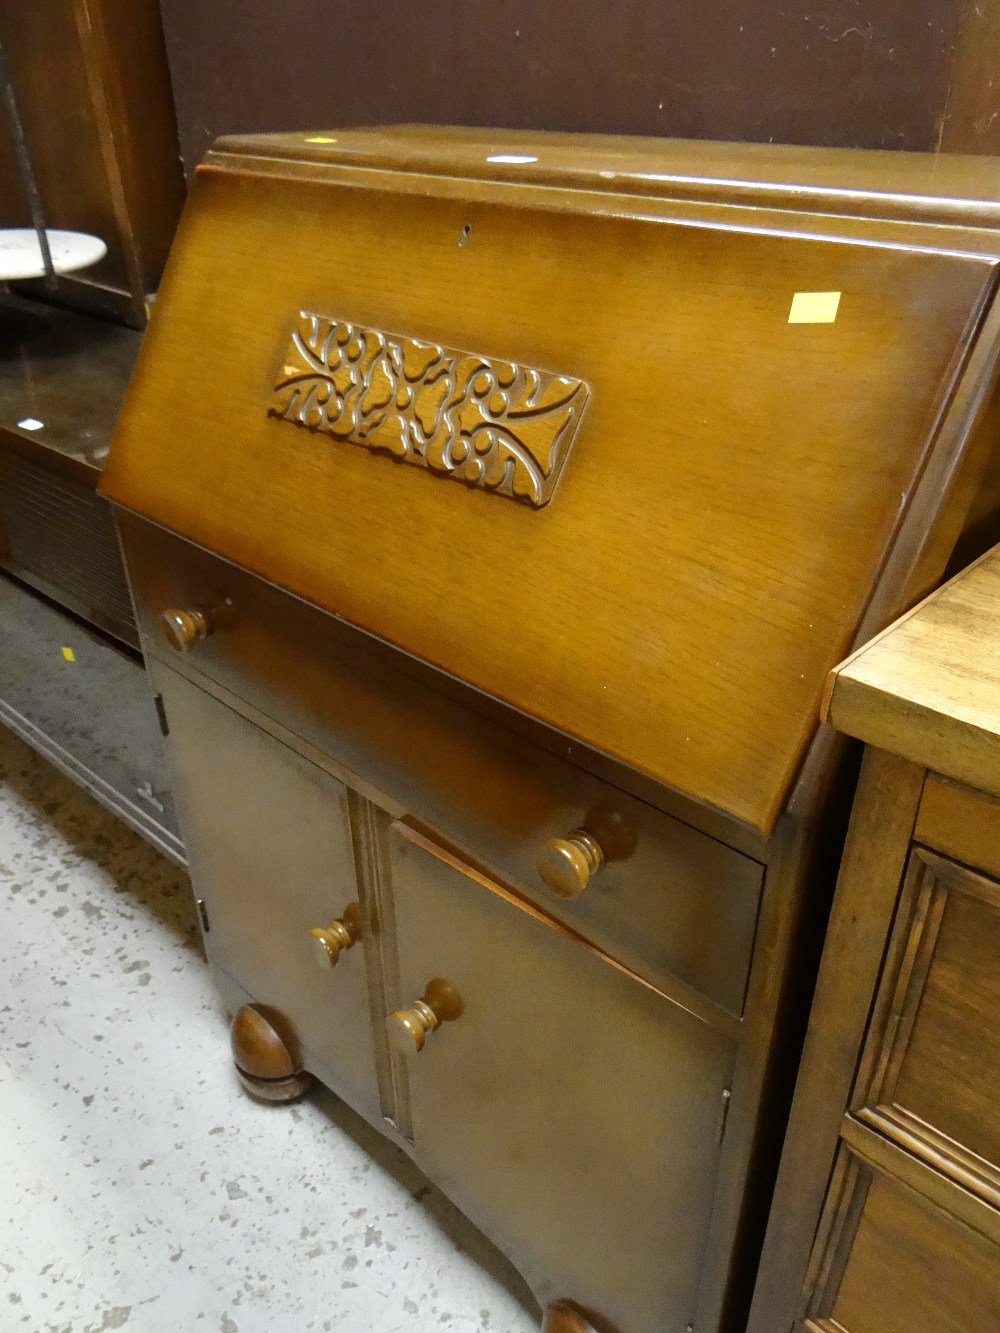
{"x": 887, "y": 1212}
{"x": 508, "y": 501}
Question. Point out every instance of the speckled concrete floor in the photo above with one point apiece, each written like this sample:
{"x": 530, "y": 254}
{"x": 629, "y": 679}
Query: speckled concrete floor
{"x": 139, "y": 1188}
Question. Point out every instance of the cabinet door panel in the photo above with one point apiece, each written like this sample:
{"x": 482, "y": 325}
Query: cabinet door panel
{"x": 269, "y": 844}
{"x": 896, "y": 1263}
{"x": 934, "y": 1052}
{"x": 571, "y": 1110}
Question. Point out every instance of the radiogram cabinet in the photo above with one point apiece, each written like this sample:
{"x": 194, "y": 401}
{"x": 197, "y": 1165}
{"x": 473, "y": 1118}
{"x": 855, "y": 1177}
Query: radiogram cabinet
{"x": 495, "y": 507}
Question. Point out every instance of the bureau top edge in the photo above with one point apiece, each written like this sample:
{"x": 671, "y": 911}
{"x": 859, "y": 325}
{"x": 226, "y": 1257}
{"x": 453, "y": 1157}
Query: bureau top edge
{"x": 931, "y": 188}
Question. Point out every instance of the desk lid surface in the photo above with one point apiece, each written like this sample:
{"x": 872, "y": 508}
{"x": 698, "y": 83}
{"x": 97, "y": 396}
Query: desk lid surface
{"x": 664, "y": 438}
{"x": 928, "y": 687}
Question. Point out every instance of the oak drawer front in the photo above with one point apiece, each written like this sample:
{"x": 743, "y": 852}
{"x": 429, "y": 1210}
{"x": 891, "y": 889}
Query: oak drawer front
{"x": 932, "y": 1065}
{"x": 671, "y": 902}
{"x": 570, "y": 1109}
{"x": 269, "y": 847}
{"x": 894, "y": 1262}
{"x": 960, "y": 823}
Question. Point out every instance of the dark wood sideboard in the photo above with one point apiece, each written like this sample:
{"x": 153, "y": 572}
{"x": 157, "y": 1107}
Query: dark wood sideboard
{"x": 71, "y": 679}
{"x": 93, "y": 96}
{"x": 495, "y": 507}
{"x": 887, "y": 1212}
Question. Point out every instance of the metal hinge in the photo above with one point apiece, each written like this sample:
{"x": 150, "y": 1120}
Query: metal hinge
{"x": 161, "y": 714}
{"x": 727, "y": 1096}
{"x": 203, "y": 913}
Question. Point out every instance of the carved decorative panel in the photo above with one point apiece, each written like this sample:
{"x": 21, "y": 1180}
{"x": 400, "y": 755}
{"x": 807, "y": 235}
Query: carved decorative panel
{"x": 490, "y": 423}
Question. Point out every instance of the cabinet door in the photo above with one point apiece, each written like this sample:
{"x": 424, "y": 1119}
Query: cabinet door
{"x": 571, "y": 1110}
{"x": 269, "y": 845}
{"x": 929, "y": 1077}
{"x": 893, "y": 1261}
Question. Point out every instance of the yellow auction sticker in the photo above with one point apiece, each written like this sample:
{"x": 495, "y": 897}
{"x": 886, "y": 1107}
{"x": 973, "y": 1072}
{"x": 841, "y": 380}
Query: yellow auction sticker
{"x": 69, "y": 654}
{"x": 814, "y": 308}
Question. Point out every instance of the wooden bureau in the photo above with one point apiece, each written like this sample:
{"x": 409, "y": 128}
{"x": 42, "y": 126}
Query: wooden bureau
{"x": 495, "y": 507}
{"x": 887, "y": 1211}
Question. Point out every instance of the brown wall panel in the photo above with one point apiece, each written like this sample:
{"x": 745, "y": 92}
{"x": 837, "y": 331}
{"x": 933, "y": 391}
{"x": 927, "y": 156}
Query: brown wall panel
{"x": 970, "y": 116}
{"x": 866, "y": 73}
{"x": 49, "y": 75}
{"x": 94, "y": 96}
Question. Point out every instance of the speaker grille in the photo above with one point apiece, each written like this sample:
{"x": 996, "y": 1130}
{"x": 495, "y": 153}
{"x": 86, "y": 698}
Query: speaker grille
{"x": 61, "y": 532}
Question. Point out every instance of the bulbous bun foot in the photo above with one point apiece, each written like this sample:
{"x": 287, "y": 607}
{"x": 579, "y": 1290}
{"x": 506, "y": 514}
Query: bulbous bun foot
{"x": 266, "y": 1055}
{"x": 276, "y": 1089}
{"x": 565, "y": 1317}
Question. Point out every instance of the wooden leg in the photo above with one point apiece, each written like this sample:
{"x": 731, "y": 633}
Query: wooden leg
{"x": 565, "y": 1317}
{"x": 266, "y": 1055}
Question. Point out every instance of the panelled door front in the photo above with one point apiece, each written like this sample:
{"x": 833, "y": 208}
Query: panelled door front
{"x": 569, "y": 1108}
{"x": 269, "y": 844}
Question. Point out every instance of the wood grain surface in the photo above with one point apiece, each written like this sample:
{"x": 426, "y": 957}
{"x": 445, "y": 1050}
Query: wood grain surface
{"x": 909, "y": 1267}
{"x": 961, "y": 823}
{"x": 929, "y": 1072}
{"x": 879, "y": 836}
{"x": 93, "y": 91}
{"x": 919, "y": 186}
{"x": 929, "y": 686}
{"x": 733, "y": 489}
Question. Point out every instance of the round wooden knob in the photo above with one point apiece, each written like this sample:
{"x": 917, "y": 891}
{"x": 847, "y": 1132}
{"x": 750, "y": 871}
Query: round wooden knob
{"x": 567, "y": 864}
{"x": 183, "y": 629}
{"x": 338, "y": 935}
{"x": 408, "y": 1028}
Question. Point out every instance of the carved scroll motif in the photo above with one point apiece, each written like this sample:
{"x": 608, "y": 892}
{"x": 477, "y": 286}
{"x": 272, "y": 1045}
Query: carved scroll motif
{"x": 489, "y": 423}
